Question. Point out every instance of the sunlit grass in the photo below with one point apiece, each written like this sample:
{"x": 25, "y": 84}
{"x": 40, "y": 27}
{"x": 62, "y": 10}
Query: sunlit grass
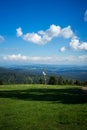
{"x": 42, "y": 107}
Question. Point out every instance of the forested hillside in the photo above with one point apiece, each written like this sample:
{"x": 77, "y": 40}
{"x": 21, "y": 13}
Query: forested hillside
{"x": 33, "y": 74}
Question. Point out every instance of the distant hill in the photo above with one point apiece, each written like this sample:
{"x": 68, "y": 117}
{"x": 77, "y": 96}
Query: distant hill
{"x": 67, "y": 71}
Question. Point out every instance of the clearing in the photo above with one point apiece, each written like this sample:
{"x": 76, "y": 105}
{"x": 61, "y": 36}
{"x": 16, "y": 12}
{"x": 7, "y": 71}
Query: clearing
{"x": 42, "y": 107}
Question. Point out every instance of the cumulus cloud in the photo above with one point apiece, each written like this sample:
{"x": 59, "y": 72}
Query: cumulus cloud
{"x": 19, "y": 32}
{"x": 49, "y": 34}
{"x": 53, "y": 31}
{"x": 43, "y": 37}
{"x": 62, "y": 49}
{"x": 77, "y": 45}
{"x": 83, "y": 46}
{"x": 1, "y": 38}
{"x": 32, "y": 37}
{"x": 74, "y": 43}
{"x": 85, "y": 16}
{"x": 67, "y": 32}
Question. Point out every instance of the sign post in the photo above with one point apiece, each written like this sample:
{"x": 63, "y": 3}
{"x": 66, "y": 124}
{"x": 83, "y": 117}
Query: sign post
{"x": 44, "y": 74}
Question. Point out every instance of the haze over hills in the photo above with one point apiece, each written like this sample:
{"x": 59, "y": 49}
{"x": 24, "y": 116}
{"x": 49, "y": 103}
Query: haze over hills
{"x": 67, "y": 71}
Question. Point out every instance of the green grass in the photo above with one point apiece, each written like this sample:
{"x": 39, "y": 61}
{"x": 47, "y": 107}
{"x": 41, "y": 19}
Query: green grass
{"x": 42, "y": 107}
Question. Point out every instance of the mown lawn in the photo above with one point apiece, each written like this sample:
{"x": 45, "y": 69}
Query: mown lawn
{"x": 42, "y": 107}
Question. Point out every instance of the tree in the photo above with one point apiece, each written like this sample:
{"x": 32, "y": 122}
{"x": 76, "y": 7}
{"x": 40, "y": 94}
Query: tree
{"x": 52, "y": 80}
{"x": 60, "y": 80}
{"x": 84, "y": 83}
{"x": 41, "y": 81}
{"x": 71, "y": 82}
{"x": 77, "y": 82}
{"x": 66, "y": 81}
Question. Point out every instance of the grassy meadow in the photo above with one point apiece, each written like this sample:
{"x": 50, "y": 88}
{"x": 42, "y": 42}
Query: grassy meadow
{"x": 42, "y": 107}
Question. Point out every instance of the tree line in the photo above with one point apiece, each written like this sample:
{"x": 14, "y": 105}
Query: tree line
{"x": 62, "y": 81}
{"x": 23, "y": 78}
{"x": 52, "y": 80}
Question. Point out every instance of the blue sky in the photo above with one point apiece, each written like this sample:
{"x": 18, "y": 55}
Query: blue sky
{"x": 43, "y": 31}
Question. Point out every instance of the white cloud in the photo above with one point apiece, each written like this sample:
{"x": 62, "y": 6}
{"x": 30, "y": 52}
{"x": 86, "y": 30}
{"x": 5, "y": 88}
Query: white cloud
{"x": 15, "y": 57}
{"x": 77, "y": 45}
{"x": 74, "y": 43}
{"x": 32, "y": 37}
{"x": 67, "y": 32}
{"x": 85, "y": 16}
{"x": 83, "y": 58}
{"x": 19, "y": 57}
{"x": 53, "y": 31}
{"x": 19, "y": 32}
{"x": 46, "y": 59}
{"x": 83, "y": 46}
{"x": 43, "y": 37}
{"x": 1, "y": 38}
{"x": 62, "y": 49}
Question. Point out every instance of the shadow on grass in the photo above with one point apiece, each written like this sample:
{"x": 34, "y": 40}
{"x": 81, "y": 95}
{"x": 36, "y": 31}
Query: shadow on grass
{"x": 66, "y": 96}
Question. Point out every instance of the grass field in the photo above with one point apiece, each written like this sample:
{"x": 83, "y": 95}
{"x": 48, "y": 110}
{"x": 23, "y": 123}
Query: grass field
{"x": 41, "y": 107}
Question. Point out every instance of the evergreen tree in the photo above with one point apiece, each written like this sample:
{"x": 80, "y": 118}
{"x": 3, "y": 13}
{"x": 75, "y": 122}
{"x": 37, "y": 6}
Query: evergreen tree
{"x": 60, "y": 80}
{"x": 41, "y": 81}
{"x": 52, "y": 80}
{"x": 77, "y": 82}
{"x": 71, "y": 82}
